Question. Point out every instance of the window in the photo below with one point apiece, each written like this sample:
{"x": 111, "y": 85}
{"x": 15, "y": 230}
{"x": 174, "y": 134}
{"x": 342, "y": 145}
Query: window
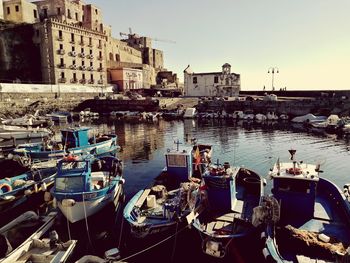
{"x": 92, "y": 76}
{"x": 175, "y": 160}
{"x": 91, "y": 64}
{"x": 35, "y": 14}
{"x": 72, "y": 37}
{"x": 45, "y": 12}
{"x": 101, "y": 65}
{"x": 100, "y": 54}
{"x": 82, "y": 18}
{"x": 69, "y": 16}
{"x": 90, "y": 51}
{"x": 58, "y": 10}
{"x": 216, "y": 79}
{"x": 61, "y": 46}
{"x": 117, "y": 57}
{"x": 73, "y": 48}
{"x": 82, "y": 50}
{"x": 73, "y": 62}
{"x": 194, "y": 80}
{"x": 83, "y": 76}
{"x": 82, "y": 39}
{"x": 76, "y": 16}
{"x": 69, "y": 184}
{"x": 17, "y": 8}
{"x": 90, "y": 41}
{"x": 96, "y": 11}
{"x": 8, "y": 10}
{"x": 62, "y": 61}
{"x": 75, "y": 76}
{"x": 83, "y": 63}
{"x": 62, "y": 75}
{"x": 60, "y": 33}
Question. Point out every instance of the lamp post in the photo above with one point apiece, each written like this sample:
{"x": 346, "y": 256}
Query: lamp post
{"x": 273, "y": 70}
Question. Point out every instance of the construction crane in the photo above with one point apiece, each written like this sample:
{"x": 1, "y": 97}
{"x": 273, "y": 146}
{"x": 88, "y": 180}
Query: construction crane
{"x": 131, "y": 34}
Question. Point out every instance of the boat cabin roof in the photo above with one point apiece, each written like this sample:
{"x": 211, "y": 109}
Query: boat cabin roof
{"x": 302, "y": 171}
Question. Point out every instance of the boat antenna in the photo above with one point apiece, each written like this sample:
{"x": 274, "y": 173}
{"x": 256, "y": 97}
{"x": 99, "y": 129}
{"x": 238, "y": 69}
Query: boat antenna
{"x": 177, "y": 144}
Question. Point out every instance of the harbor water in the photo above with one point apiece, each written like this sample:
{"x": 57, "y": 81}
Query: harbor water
{"x": 255, "y": 146}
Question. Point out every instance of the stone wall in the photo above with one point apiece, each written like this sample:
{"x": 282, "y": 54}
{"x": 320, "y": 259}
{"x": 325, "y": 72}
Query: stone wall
{"x": 19, "y": 56}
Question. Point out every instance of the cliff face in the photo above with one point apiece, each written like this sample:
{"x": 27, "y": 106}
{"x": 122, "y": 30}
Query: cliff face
{"x": 19, "y": 57}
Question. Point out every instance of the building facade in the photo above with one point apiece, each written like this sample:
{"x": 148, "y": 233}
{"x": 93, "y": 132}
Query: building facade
{"x": 71, "y": 54}
{"x": 127, "y": 79}
{"x": 211, "y": 84}
{"x": 20, "y": 11}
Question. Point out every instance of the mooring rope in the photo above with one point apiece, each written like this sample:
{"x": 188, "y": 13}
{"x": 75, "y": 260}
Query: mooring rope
{"x": 86, "y": 223}
{"x": 149, "y": 248}
{"x": 175, "y": 239}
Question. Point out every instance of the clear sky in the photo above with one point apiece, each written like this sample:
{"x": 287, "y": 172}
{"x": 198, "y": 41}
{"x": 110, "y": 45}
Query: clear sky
{"x": 307, "y": 40}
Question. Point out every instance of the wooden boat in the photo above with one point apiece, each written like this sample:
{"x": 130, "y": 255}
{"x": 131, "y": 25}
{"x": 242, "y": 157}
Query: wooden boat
{"x": 40, "y": 247}
{"x": 74, "y": 140}
{"x": 84, "y": 185}
{"x": 19, "y": 132}
{"x": 17, "y": 189}
{"x": 157, "y": 208}
{"x": 313, "y": 216}
{"x": 224, "y": 212}
{"x": 32, "y": 120}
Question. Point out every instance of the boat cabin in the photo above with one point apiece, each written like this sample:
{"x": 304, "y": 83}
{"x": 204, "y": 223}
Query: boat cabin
{"x": 179, "y": 164}
{"x": 75, "y": 137}
{"x": 82, "y": 175}
{"x": 295, "y": 188}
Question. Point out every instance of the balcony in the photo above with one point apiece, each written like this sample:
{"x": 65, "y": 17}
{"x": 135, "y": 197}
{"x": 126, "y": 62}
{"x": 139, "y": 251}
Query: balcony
{"x": 61, "y": 65}
{"x": 73, "y": 81}
{"x": 73, "y": 67}
{"x": 73, "y": 53}
{"x": 61, "y": 52}
{"x": 100, "y": 69}
{"x": 91, "y": 81}
{"x": 72, "y": 41}
{"x": 82, "y": 55}
{"x": 62, "y": 80}
{"x": 90, "y": 45}
{"x": 100, "y": 81}
{"x": 99, "y": 46}
{"x": 99, "y": 57}
{"x": 90, "y": 56}
{"x": 90, "y": 68}
{"x": 60, "y": 38}
{"x": 82, "y": 68}
{"x": 81, "y": 43}
{"x": 82, "y": 81}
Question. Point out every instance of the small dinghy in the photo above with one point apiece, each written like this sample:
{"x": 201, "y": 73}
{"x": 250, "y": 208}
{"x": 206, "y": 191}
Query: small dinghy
{"x": 43, "y": 246}
{"x": 172, "y": 197}
{"x": 313, "y": 216}
{"x": 84, "y": 185}
{"x": 225, "y": 208}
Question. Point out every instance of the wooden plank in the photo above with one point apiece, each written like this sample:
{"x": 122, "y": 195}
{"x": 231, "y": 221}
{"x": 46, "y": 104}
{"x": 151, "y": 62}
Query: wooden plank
{"x": 142, "y": 197}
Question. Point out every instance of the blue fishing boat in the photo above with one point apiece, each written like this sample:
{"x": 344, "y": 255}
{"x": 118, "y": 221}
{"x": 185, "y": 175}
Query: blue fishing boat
{"x": 224, "y": 211}
{"x": 17, "y": 189}
{"x": 170, "y": 199}
{"x": 84, "y": 185}
{"x": 310, "y": 218}
{"x": 73, "y": 140}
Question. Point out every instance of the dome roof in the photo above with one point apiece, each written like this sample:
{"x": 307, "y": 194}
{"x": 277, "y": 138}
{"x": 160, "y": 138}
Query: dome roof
{"x": 226, "y": 65}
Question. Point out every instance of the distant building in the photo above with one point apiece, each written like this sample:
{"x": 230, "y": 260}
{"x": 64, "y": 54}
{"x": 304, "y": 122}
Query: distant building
{"x": 20, "y": 11}
{"x": 222, "y": 83}
{"x": 67, "y": 43}
{"x": 127, "y": 79}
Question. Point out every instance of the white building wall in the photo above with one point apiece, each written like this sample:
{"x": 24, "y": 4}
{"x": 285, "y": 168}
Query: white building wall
{"x": 227, "y": 85}
{"x": 1, "y": 9}
{"x": 38, "y": 88}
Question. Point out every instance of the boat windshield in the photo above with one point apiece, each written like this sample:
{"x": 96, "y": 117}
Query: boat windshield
{"x": 69, "y": 184}
{"x": 76, "y": 165}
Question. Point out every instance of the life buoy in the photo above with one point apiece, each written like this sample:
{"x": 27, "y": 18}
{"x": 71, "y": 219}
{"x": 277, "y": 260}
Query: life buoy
{"x": 5, "y": 188}
{"x": 295, "y": 171}
{"x": 70, "y": 158}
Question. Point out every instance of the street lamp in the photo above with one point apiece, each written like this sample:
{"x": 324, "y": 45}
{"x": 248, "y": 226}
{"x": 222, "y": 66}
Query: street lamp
{"x": 273, "y": 70}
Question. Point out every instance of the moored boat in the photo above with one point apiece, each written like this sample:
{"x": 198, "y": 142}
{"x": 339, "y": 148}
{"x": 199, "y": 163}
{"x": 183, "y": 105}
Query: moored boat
{"x": 313, "y": 223}
{"x": 42, "y": 246}
{"x": 225, "y": 208}
{"x": 84, "y": 185}
{"x": 73, "y": 140}
{"x": 17, "y": 189}
{"x": 157, "y": 208}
